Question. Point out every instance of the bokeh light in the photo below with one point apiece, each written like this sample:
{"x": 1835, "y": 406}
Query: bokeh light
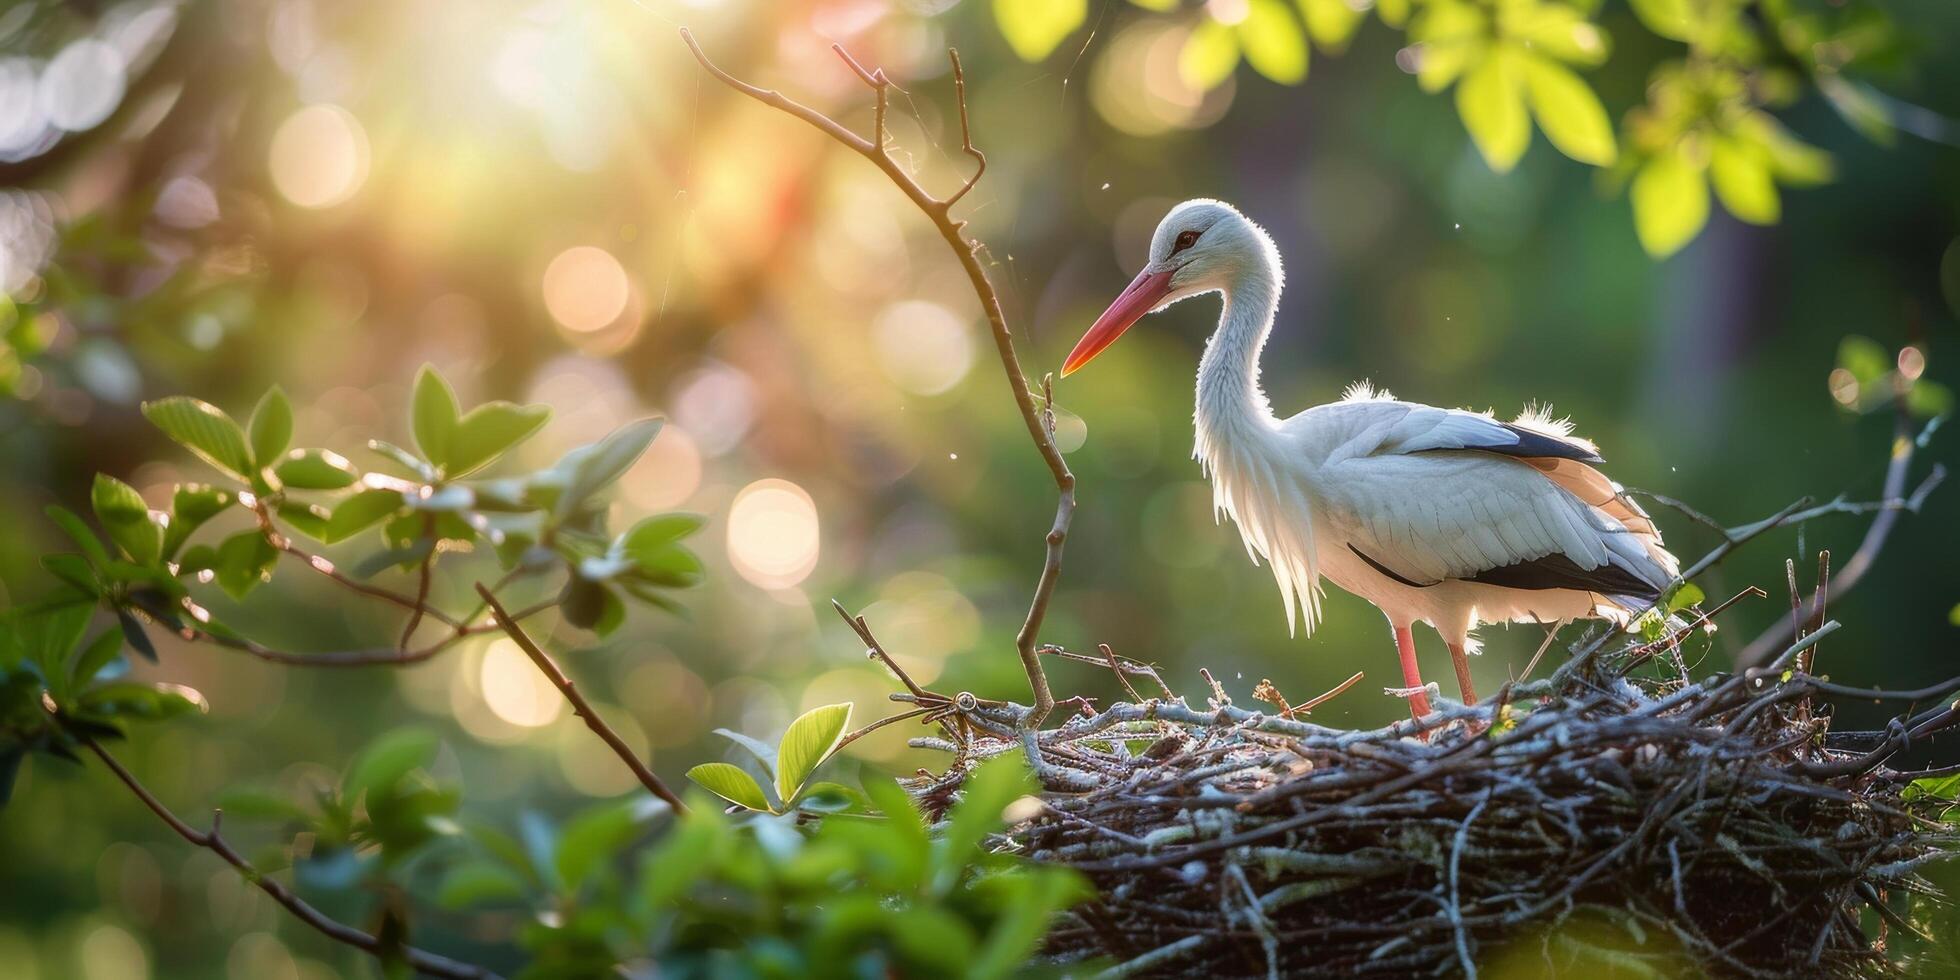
{"x": 109, "y": 952}
{"x": 319, "y": 156}
{"x": 516, "y": 692}
{"x": 922, "y": 347}
{"x": 772, "y": 534}
{"x": 585, "y": 288}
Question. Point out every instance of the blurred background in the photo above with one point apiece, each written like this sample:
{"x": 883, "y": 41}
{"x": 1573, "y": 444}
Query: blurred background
{"x": 549, "y": 201}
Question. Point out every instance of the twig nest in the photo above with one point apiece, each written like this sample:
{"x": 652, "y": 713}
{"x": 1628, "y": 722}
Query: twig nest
{"x": 1683, "y": 826}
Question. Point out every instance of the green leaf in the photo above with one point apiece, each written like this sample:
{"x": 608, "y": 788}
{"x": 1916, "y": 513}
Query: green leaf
{"x": 1684, "y": 596}
{"x": 1209, "y": 55}
{"x": 190, "y": 507}
{"x": 808, "y": 742}
{"x": 592, "y": 468}
{"x": 11, "y": 756}
{"x": 153, "y": 701}
{"x": 434, "y": 416}
{"x": 1863, "y": 357}
{"x": 1491, "y": 102}
{"x": 1569, "y": 112}
{"x": 409, "y": 461}
{"x": 988, "y": 790}
{"x": 359, "y": 512}
{"x": 1331, "y": 23}
{"x": 386, "y": 761}
{"x": 127, "y": 519}
{"x": 79, "y": 533}
{"x": 1273, "y": 44}
{"x": 1033, "y": 28}
{"x": 907, "y": 841}
{"x": 133, "y": 634}
{"x": 243, "y": 562}
{"x": 308, "y": 519}
{"x": 95, "y": 656}
{"x": 489, "y": 431}
{"x": 1558, "y": 31}
{"x": 1741, "y": 175}
{"x": 596, "y": 838}
{"x": 1671, "y": 19}
{"x": 1670, "y": 203}
{"x": 75, "y": 571}
{"x": 479, "y": 883}
{"x": 205, "y": 430}
{"x": 731, "y": 784}
{"x": 315, "y": 469}
{"x": 271, "y": 426}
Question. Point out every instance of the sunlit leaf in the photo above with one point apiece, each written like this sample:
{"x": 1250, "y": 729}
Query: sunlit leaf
{"x": 1671, "y": 19}
{"x": 1491, "y": 102}
{"x": 1394, "y": 13}
{"x": 1864, "y": 357}
{"x": 1793, "y": 161}
{"x": 1569, "y": 112}
{"x": 1684, "y": 596}
{"x": 1741, "y": 176}
{"x": 1559, "y": 31}
{"x": 1272, "y": 41}
{"x": 731, "y": 784}
{"x": 434, "y": 415}
{"x": 127, "y": 519}
{"x": 763, "y": 751}
{"x": 592, "y": 468}
{"x": 808, "y": 742}
{"x": 1208, "y": 56}
{"x": 243, "y": 561}
{"x": 271, "y": 427}
{"x": 205, "y": 430}
{"x": 359, "y": 512}
{"x": 1159, "y": 6}
{"x": 1670, "y": 203}
{"x": 1450, "y": 37}
{"x": 190, "y": 507}
{"x": 487, "y": 432}
{"x": 1033, "y": 28}
{"x": 315, "y": 469}
{"x": 1331, "y": 23}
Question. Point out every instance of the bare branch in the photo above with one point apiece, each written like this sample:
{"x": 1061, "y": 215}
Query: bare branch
{"x": 423, "y": 961}
{"x": 967, "y": 252}
{"x": 374, "y": 657}
{"x": 580, "y": 706}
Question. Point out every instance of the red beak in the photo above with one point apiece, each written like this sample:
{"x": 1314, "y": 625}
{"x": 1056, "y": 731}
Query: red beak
{"x": 1144, "y": 293}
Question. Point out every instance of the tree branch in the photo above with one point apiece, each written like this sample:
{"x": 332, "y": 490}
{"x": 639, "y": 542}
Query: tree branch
{"x": 1039, "y": 421}
{"x": 580, "y": 706}
{"x": 423, "y": 961}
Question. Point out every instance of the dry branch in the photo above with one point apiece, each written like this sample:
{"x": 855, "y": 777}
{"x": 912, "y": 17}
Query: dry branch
{"x": 938, "y": 210}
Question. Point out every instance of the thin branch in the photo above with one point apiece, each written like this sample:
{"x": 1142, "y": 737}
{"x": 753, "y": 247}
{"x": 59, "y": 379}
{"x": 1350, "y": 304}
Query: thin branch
{"x": 422, "y": 960}
{"x": 422, "y": 587}
{"x": 967, "y": 252}
{"x": 372, "y": 657}
{"x": 580, "y": 706}
{"x": 966, "y": 130}
{"x": 1890, "y": 505}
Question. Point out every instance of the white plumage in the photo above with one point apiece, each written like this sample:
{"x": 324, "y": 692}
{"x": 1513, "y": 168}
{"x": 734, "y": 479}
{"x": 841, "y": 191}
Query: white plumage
{"x": 1440, "y": 516}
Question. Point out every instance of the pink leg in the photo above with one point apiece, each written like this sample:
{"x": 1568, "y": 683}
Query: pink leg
{"x": 1405, "y": 644}
{"x": 1463, "y": 674}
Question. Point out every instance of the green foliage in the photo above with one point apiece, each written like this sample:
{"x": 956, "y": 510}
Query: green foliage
{"x": 153, "y": 566}
{"x": 855, "y": 894}
{"x": 810, "y": 740}
{"x": 1033, "y": 28}
{"x": 1705, "y": 125}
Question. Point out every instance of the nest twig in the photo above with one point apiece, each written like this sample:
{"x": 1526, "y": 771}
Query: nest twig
{"x": 1693, "y": 825}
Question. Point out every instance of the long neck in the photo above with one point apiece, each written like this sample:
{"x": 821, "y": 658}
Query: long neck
{"x": 1230, "y": 400}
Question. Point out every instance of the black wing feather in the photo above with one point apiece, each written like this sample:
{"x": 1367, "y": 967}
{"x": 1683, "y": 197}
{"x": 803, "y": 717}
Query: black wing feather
{"x": 1556, "y": 571}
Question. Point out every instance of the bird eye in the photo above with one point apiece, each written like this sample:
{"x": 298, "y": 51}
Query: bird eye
{"x": 1184, "y": 241}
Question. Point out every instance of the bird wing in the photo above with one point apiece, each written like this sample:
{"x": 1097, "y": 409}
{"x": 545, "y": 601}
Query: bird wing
{"x": 1427, "y": 494}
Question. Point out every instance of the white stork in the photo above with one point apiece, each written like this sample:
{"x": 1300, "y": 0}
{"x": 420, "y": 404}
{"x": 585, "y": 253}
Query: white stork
{"x": 1435, "y": 515}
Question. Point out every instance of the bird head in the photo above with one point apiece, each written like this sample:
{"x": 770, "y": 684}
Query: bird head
{"x": 1200, "y": 247}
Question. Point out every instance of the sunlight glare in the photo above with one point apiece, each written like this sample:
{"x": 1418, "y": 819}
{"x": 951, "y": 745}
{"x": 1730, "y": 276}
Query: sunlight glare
{"x": 772, "y": 534}
{"x": 514, "y": 689}
{"x": 319, "y": 156}
{"x": 585, "y": 288}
